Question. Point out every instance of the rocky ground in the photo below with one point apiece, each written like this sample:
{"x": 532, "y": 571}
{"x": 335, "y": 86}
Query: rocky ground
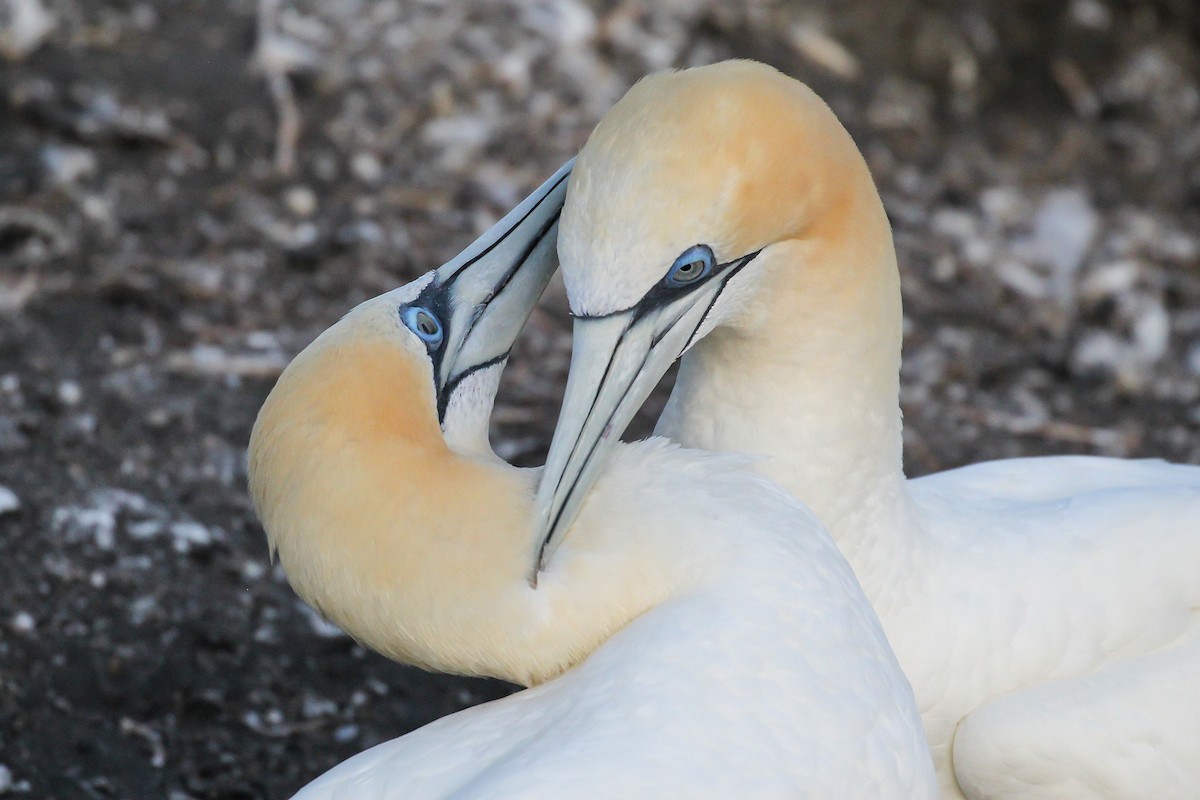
{"x": 190, "y": 191}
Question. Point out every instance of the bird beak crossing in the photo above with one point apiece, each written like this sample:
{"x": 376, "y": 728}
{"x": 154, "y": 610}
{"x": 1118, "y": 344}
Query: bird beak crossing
{"x": 489, "y": 290}
{"x": 485, "y": 296}
{"x": 616, "y": 361}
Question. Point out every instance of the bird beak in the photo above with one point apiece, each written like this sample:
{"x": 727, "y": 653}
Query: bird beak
{"x": 616, "y": 361}
{"x": 492, "y": 286}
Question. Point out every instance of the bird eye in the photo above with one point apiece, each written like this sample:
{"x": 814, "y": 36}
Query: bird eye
{"x": 424, "y": 324}
{"x": 693, "y": 264}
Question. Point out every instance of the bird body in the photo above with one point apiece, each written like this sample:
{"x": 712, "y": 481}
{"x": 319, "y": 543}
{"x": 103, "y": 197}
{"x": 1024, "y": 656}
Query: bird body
{"x": 1021, "y": 597}
{"x": 1042, "y": 570}
{"x": 696, "y": 634}
{"x": 763, "y": 673}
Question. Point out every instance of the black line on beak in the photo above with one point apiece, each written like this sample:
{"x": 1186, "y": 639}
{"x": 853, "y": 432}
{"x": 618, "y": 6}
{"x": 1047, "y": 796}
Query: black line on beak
{"x": 651, "y": 301}
{"x": 447, "y": 390}
{"x": 443, "y": 398}
{"x": 508, "y": 232}
{"x": 525, "y": 254}
{"x": 595, "y": 443}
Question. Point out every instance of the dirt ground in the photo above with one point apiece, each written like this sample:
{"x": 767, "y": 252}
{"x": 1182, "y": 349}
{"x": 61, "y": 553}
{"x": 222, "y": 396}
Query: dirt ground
{"x": 160, "y": 263}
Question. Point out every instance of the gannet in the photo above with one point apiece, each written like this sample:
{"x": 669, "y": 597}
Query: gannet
{"x": 1045, "y": 609}
{"x": 697, "y": 633}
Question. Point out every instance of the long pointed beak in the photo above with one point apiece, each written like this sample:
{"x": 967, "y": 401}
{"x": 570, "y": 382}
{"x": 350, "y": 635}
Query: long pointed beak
{"x": 492, "y": 286}
{"x": 616, "y": 361}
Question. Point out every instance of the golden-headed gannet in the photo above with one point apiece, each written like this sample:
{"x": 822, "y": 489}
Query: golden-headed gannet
{"x": 697, "y": 634}
{"x": 1044, "y": 609}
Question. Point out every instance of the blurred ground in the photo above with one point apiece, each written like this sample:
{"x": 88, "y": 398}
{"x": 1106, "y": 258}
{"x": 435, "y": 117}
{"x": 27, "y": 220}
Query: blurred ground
{"x": 1040, "y": 160}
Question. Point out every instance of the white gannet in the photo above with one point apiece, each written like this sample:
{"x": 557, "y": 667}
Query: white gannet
{"x": 1045, "y": 609}
{"x": 697, "y": 634}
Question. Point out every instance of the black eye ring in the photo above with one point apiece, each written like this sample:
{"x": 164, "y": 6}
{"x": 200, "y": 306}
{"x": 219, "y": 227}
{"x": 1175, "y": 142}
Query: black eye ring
{"x": 693, "y": 264}
{"x": 424, "y": 323}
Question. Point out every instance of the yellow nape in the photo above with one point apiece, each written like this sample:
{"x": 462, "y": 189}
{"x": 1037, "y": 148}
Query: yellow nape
{"x": 748, "y": 161}
{"x": 738, "y": 156}
{"x": 417, "y": 551}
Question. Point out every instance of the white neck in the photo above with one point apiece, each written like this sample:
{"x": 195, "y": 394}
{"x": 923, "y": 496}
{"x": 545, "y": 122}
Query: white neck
{"x": 808, "y": 376}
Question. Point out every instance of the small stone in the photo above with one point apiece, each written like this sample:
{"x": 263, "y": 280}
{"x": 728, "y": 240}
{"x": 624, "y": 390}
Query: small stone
{"x": 325, "y": 167}
{"x": 459, "y": 133}
{"x": 283, "y": 55}
{"x": 1099, "y": 349}
{"x": 69, "y": 393}
{"x": 9, "y": 502}
{"x": 144, "y": 17}
{"x": 1193, "y": 360}
{"x": 363, "y": 231}
{"x": 1152, "y": 332}
{"x": 301, "y": 201}
{"x": 1023, "y": 280}
{"x": 29, "y": 23}
{"x": 319, "y": 626}
{"x": 144, "y": 529}
{"x": 262, "y": 340}
{"x": 366, "y": 167}
{"x": 954, "y": 223}
{"x": 1109, "y": 280}
{"x": 1001, "y": 205}
{"x": 314, "y": 707}
{"x": 23, "y": 622}
{"x": 97, "y": 209}
{"x": 68, "y": 165}
{"x": 190, "y": 534}
{"x": 142, "y": 608}
{"x": 1063, "y": 231}
{"x": 825, "y": 51}
{"x": 158, "y": 417}
{"x": 1090, "y": 14}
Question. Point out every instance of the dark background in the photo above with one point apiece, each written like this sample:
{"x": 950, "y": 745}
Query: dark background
{"x": 1040, "y": 161}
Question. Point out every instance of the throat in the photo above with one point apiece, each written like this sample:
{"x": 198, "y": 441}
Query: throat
{"x": 830, "y": 444}
{"x": 812, "y": 385}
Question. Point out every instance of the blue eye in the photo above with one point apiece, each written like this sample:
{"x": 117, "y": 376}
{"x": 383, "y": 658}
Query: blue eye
{"x": 424, "y": 324}
{"x": 693, "y": 264}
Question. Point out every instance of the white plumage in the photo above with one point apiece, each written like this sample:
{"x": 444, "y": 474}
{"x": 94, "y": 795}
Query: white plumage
{"x": 765, "y": 675}
{"x": 1045, "y": 610}
{"x": 697, "y": 633}
{"x": 1061, "y": 595}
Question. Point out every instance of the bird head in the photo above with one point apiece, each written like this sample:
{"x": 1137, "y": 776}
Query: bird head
{"x": 369, "y": 463}
{"x": 699, "y": 202}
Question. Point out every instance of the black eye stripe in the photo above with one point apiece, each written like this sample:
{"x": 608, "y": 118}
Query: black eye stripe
{"x": 661, "y": 295}
{"x": 437, "y": 295}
